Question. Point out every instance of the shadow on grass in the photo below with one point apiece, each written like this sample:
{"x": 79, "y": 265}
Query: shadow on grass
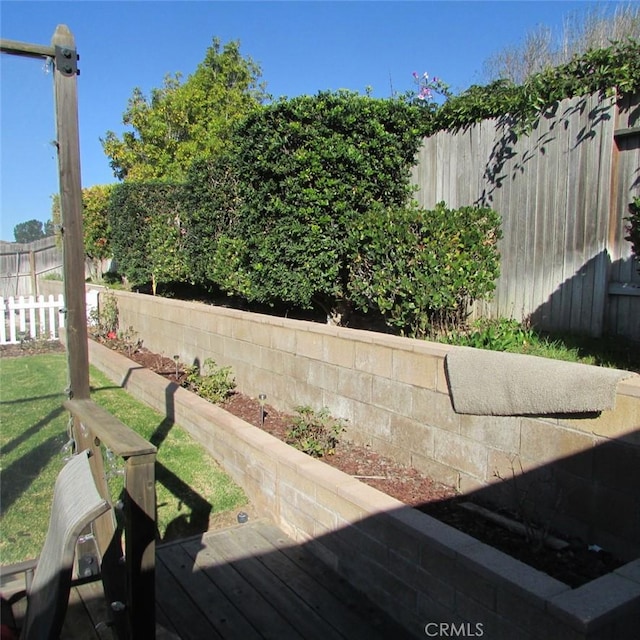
{"x": 25, "y": 435}
{"x": 187, "y": 524}
{"x": 18, "y": 476}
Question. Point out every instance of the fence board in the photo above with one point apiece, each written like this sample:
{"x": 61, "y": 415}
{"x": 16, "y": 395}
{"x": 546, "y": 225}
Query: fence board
{"x": 21, "y": 264}
{"x": 562, "y": 242}
{"x": 26, "y": 321}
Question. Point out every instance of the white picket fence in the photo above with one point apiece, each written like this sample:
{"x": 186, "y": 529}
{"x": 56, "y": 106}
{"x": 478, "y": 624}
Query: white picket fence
{"x": 28, "y": 318}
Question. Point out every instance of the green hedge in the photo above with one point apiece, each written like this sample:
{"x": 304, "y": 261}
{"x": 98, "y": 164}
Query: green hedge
{"x": 303, "y": 171}
{"x": 422, "y": 269}
{"x": 147, "y": 232}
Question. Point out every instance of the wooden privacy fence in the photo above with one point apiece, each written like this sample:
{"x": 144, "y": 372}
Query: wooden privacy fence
{"x": 563, "y": 192}
{"x": 22, "y": 264}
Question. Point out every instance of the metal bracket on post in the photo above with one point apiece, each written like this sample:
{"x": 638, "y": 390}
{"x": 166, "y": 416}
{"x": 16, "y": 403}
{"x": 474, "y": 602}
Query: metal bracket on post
{"x": 66, "y": 61}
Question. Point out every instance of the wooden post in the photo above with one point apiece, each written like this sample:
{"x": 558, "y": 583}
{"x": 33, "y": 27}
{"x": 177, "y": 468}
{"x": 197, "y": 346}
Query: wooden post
{"x": 68, "y": 144}
{"x": 140, "y": 516}
{"x": 34, "y": 276}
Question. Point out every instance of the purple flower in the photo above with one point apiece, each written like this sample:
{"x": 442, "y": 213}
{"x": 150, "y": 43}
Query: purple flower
{"x": 415, "y": 75}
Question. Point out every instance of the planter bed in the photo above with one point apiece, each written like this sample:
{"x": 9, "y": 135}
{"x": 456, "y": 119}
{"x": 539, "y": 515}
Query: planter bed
{"x": 415, "y": 567}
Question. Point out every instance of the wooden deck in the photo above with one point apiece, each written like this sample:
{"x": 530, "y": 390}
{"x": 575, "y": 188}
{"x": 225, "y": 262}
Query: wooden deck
{"x": 246, "y": 582}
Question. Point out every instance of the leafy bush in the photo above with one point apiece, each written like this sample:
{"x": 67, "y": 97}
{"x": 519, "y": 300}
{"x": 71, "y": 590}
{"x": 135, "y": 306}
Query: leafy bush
{"x": 499, "y": 334}
{"x": 421, "y": 269}
{"x": 315, "y": 433}
{"x": 103, "y": 319}
{"x": 147, "y": 234}
{"x": 306, "y": 170}
{"x": 212, "y": 203}
{"x": 633, "y": 229}
{"x": 210, "y": 382}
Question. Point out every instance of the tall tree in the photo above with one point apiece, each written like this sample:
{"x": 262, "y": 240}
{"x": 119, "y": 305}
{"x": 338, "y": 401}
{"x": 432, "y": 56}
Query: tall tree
{"x": 582, "y": 31}
{"x": 49, "y": 229}
{"x": 182, "y": 121}
{"x": 95, "y": 223}
{"x": 28, "y": 231}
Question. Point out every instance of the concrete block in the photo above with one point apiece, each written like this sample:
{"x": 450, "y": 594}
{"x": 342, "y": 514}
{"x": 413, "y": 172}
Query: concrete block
{"x": 411, "y": 436}
{"x": 497, "y": 432}
{"x": 545, "y": 442}
{"x": 295, "y": 368}
{"x": 434, "y": 409}
{"x": 510, "y": 575}
{"x": 485, "y": 622}
{"x": 309, "y": 345}
{"x": 616, "y": 465}
{"x": 391, "y": 395}
{"x": 308, "y": 395}
{"x": 404, "y": 543}
{"x": 365, "y": 572}
{"x": 435, "y": 470}
{"x": 375, "y": 359}
{"x": 415, "y": 369}
{"x": 351, "y": 539}
{"x": 283, "y": 339}
{"x": 341, "y": 506}
{"x": 437, "y": 621}
{"x": 355, "y": 384}
{"x": 369, "y": 499}
{"x": 623, "y": 420}
{"x": 323, "y": 376}
{"x": 257, "y": 333}
{"x": 460, "y": 453}
{"x": 271, "y": 362}
{"x": 597, "y": 603}
{"x": 618, "y": 513}
{"x": 436, "y": 588}
{"x": 338, "y": 351}
{"x": 375, "y": 421}
{"x": 630, "y": 571}
{"x": 442, "y": 382}
{"x": 339, "y": 407}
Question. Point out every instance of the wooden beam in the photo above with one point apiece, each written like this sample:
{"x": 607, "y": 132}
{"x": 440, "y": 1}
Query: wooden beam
{"x": 623, "y": 289}
{"x": 115, "y": 435}
{"x": 26, "y": 49}
{"x": 623, "y": 133}
{"x": 68, "y": 144}
{"x": 140, "y": 546}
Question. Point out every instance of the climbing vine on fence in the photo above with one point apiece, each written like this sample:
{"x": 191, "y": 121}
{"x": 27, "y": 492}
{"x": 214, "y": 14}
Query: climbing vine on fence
{"x": 615, "y": 69}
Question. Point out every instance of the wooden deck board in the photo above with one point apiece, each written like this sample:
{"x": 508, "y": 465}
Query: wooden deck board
{"x": 249, "y": 582}
{"x": 314, "y": 584}
{"x": 206, "y": 595}
{"x": 273, "y": 585}
{"x": 188, "y": 622}
{"x": 244, "y": 596}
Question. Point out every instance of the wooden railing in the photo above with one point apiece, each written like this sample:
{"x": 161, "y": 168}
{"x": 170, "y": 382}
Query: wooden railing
{"x": 129, "y": 577}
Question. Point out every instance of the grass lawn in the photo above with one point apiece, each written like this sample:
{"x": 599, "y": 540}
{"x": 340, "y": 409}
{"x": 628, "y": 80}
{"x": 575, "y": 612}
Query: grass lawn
{"x": 190, "y": 485}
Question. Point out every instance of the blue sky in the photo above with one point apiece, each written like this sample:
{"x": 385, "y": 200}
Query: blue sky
{"x": 302, "y": 47}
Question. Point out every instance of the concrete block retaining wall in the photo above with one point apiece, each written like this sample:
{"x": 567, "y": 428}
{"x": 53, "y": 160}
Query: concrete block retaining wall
{"x": 583, "y": 471}
{"x": 419, "y": 570}
{"x": 394, "y": 394}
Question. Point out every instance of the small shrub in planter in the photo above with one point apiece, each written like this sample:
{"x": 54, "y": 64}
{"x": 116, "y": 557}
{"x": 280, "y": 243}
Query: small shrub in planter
{"x": 315, "y": 433}
{"x": 210, "y": 382}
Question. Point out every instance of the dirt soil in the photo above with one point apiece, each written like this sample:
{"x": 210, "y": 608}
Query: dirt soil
{"x": 575, "y": 565}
